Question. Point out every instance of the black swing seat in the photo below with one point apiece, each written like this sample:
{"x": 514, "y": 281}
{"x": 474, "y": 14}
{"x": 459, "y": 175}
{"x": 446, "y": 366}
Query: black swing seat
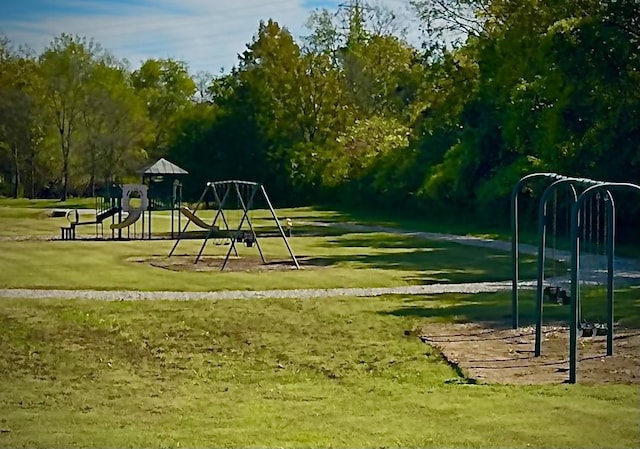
{"x": 557, "y": 295}
{"x": 247, "y": 237}
{"x": 587, "y": 329}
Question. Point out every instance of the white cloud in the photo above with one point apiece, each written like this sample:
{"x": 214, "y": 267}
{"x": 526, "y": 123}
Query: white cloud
{"x": 207, "y": 34}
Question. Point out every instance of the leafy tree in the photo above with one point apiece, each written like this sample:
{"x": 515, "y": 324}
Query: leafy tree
{"x": 167, "y": 89}
{"x": 20, "y": 118}
{"x": 65, "y": 66}
{"x": 271, "y": 72}
{"x": 115, "y": 124}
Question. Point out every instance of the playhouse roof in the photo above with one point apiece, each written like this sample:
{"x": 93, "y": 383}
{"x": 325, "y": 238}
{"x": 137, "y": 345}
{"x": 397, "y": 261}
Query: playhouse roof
{"x": 163, "y": 167}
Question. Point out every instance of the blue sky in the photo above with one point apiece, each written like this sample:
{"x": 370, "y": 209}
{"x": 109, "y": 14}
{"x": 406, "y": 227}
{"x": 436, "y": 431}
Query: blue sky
{"x": 207, "y": 34}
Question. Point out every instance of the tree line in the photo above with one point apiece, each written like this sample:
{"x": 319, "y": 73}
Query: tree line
{"x": 352, "y": 111}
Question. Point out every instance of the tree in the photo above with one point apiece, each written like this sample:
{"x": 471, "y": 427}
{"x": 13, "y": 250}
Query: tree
{"x": 20, "y": 118}
{"x": 449, "y": 23}
{"x": 65, "y": 66}
{"x": 203, "y": 80}
{"x": 167, "y": 89}
{"x": 270, "y": 72}
{"x": 115, "y": 125}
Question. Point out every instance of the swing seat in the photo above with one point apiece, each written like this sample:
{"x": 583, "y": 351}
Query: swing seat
{"x": 586, "y": 330}
{"x": 249, "y": 239}
{"x": 548, "y": 293}
{"x": 600, "y": 329}
{"x": 557, "y": 295}
{"x": 563, "y": 297}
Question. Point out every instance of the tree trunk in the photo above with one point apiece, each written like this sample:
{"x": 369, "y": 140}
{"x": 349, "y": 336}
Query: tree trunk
{"x": 65, "y": 177}
{"x": 94, "y": 168}
{"x": 92, "y": 183}
{"x": 66, "y": 146}
{"x": 16, "y": 172}
{"x": 32, "y": 173}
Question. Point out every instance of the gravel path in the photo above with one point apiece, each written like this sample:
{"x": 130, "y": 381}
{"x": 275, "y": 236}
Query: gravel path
{"x": 627, "y": 270}
{"x": 122, "y": 295}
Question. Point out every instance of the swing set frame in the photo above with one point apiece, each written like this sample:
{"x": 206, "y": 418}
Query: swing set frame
{"x": 577, "y": 229}
{"x": 222, "y": 192}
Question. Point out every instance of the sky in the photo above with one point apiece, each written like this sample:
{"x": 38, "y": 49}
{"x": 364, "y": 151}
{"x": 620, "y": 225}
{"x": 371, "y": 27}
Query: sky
{"x": 206, "y": 34}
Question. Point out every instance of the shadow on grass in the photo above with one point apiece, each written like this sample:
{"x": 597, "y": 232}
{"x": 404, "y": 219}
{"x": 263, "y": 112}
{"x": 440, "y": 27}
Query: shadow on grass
{"x": 432, "y": 260}
{"x": 445, "y": 223}
{"x": 495, "y": 308}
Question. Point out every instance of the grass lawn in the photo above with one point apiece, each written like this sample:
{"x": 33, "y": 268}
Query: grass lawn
{"x": 334, "y": 258}
{"x": 332, "y": 372}
{"x": 350, "y": 260}
{"x": 276, "y": 373}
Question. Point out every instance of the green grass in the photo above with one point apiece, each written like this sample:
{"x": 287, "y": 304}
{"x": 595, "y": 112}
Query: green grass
{"x": 48, "y": 204}
{"x": 274, "y": 373}
{"x": 467, "y": 225}
{"x": 424, "y": 221}
{"x": 348, "y": 260}
{"x": 496, "y": 307}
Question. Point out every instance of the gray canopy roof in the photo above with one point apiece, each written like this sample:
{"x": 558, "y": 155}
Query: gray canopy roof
{"x": 163, "y": 167}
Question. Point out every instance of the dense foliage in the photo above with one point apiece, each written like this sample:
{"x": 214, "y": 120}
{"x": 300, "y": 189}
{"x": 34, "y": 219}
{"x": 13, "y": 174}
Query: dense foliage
{"x": 350, "y": 112}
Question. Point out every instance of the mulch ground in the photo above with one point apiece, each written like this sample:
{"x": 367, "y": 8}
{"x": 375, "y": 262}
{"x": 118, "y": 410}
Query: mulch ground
{"x": 501, "y": 355}
{"x": 214, "y": 263}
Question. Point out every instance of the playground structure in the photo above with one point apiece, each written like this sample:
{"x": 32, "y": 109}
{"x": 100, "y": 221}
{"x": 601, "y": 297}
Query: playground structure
{"x": 224, "y": 192}
{"x": 591, "y": 215}
{"x": 160, "y": 190}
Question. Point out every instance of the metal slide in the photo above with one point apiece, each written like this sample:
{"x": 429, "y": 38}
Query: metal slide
{"x": 196, "y": 220}
{"x": 106, "y": 214}
{"x": 133, "y": 216}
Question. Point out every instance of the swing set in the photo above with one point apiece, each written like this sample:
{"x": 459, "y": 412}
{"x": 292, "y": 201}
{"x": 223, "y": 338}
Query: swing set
{"x": 590, "y": 224}
{"x": 222, "y": 228}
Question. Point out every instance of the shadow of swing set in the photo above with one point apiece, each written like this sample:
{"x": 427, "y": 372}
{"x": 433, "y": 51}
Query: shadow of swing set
{"x": 224, "y": 192}
{"x": 590, "y": 213}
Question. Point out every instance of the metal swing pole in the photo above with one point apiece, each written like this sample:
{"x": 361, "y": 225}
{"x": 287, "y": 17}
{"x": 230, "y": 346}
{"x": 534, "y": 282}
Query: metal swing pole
{"x": 282, "y": 234}
{"x": 609, "y": 187}
{"x": 515, "y": 193}
{"x": 247, "y": 208}
{"x": 175, "y": 245}
{"x": 234, "y": 237}
{"x": 610, "y": 207}
{"x": 220, "y": 207}
{"x": 542, "y": 230}
{"x": 220, "y": 212}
